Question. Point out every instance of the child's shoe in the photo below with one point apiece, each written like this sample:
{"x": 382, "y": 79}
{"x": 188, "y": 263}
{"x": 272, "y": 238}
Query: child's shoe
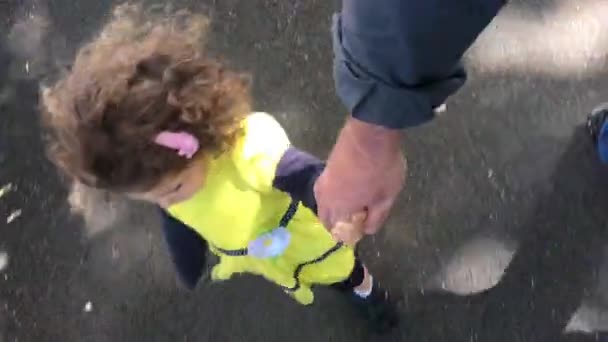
{"x": 378, "y": 309}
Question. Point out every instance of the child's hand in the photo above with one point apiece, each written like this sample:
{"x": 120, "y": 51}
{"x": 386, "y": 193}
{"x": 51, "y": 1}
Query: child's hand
{"x": 350, "y": 232}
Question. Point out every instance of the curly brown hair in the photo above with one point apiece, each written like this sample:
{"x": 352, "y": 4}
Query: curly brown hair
{"x": 141, "y": 75}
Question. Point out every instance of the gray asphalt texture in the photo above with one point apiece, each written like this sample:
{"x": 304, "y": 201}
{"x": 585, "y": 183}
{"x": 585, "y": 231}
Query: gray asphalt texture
{"x": 507, "y": 174}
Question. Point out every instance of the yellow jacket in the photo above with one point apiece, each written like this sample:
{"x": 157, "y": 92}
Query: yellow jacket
{"x": 238, "y": 204}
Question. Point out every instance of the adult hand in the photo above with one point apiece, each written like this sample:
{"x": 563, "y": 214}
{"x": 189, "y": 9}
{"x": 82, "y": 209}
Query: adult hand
{"x": 365, "y": 172}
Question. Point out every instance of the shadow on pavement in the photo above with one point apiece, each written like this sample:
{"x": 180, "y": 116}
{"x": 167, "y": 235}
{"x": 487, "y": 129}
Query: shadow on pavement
{"x": 552, "y": 270}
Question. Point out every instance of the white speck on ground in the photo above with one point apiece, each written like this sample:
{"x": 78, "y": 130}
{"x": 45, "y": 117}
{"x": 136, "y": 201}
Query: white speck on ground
{"x": 13, "y": 216}
{"x": 115, "y": 252}
{"x": 3, "y": 261}
{"x": 88, "y": 307}
{"x": 27, "y": 67}
{"x": 6, "y": 188}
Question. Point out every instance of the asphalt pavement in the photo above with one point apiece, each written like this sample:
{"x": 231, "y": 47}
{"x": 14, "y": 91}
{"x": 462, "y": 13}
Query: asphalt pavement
{"x": 500, "y": 235}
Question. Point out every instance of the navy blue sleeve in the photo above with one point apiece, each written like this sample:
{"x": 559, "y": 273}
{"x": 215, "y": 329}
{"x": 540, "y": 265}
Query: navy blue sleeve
{"x": 397, "y": 60}
{"x": 187, "y": 248}
{"x": 296, "y": 175}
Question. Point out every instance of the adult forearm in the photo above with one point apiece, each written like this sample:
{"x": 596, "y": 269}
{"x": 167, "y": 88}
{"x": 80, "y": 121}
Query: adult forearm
{"x": 396, "y": 60}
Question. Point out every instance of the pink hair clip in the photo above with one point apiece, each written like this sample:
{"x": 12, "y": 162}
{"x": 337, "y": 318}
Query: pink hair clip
{"x": 184, "y": 143}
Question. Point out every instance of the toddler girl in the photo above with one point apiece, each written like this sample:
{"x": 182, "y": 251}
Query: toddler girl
{"x": 145, "y": 113}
